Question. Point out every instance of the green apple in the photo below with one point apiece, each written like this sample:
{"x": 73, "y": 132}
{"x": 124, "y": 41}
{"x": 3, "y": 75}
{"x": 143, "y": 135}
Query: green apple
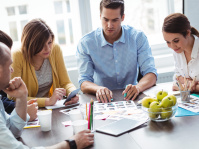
{"x": 174, "y": 99}
{"x": 146, "y": 101}
{"x": 154, "y": 109}
{"x": 166, "y": 102}
{"x": 166, "y": 113}
{"x": 161, "y": 94}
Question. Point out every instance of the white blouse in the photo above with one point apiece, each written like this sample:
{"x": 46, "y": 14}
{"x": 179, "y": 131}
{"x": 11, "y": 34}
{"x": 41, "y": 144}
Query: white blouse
{"x": 191, "y": 69}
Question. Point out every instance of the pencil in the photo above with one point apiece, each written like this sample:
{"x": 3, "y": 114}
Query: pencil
{"x": 181, "y": 87}
{"x": 89, "y": 116}
{"x": 192, "y": 83}
{"x": 91, "y": 113}
{"x": 185, "y": 83}
{"x": 86, "y": 112}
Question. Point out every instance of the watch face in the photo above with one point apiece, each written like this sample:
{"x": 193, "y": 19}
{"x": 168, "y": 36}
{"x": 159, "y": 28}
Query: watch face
{"x": 72, "y": 144}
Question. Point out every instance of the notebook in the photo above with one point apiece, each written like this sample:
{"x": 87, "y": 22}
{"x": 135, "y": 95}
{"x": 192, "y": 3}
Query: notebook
{"x": 120, "y": 127}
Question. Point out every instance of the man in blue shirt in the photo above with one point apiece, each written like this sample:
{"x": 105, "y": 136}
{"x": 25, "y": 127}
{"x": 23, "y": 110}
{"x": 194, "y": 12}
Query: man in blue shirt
{"x": 11, "y": 126}
{"x": 109, "y": 58}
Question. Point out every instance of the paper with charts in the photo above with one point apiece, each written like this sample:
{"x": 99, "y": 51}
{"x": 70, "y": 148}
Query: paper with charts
{"x": 193, "y": 105}
{"x": 118, "y": 110}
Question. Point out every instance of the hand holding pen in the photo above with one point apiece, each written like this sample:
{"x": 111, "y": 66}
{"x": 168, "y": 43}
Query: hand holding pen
{"x": 131, "y": 92}
{"x": 32, "y": 108}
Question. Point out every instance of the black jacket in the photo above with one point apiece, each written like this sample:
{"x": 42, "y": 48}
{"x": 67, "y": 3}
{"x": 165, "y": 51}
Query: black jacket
{"x": 9, "y": 105}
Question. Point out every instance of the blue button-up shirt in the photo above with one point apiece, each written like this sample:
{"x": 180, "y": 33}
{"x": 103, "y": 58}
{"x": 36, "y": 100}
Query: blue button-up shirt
{"x": 114, "y": 65}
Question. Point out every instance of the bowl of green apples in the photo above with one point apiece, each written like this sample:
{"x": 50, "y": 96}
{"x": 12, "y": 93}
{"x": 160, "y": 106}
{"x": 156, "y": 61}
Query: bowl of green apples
{"x": 161, "y": 108}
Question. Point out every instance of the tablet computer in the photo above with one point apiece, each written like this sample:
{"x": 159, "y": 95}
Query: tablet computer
{"x": 120, "y": 127}
{"x": 71, "y": 95}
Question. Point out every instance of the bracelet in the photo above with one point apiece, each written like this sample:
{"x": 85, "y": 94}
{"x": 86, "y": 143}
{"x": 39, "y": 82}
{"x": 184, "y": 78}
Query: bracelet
{"x": 72, "y": 144}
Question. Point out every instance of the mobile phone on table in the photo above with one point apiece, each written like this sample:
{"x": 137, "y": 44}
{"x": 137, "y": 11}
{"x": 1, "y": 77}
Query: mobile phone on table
{"x": 71, "y": 95}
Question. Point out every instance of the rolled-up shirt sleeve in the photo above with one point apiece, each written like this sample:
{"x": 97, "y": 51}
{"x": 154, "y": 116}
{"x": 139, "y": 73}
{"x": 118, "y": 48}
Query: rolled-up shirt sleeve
{"x": 7, "y": 139}
{"x": 85, "y": 64}
{"x": 15, "y": 123}
{"x": 145, "y": 58}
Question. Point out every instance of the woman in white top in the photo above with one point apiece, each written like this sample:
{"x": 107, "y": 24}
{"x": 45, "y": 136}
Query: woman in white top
{"x": 184, "y": 41}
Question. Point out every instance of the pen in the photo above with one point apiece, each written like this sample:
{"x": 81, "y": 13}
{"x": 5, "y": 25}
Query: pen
{"x": 31, "y": 102}
{"x": 125, "y": 94}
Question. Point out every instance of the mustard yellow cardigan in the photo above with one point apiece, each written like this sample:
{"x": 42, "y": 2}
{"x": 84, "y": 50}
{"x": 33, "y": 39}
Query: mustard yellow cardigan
{"x": 26, "y": 71}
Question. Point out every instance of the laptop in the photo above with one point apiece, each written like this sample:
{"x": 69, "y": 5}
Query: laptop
{"x": 120, "y": 127}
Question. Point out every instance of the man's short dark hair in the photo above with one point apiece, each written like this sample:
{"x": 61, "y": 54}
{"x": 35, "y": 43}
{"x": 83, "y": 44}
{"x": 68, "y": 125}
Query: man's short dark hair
{"x": 112, "y": 4}
{"x": 3, "y": 56}
{"x": 6, "y": 39}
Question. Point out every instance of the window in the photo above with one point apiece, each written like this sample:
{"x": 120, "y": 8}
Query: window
{"x": 13, "y": 31}
{"x": 70, "y": 30}
{"x": 68, "y": 6}
{"x": 22, "y": 9}
{"x": 63, "y": 17}
{"x": 61, "y": 32}
{"x": 58, "y": 7}
{"x": 146, "y": 15}
{"x": 23, "y": 23}
{"x": 10, "y": 11}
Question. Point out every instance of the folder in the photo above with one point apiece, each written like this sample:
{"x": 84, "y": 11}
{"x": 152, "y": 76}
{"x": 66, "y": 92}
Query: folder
{"x": 183, "y": 112}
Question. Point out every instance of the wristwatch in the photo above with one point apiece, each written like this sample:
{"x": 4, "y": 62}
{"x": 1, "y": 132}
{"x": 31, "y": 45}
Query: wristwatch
{"x": 72, "y": 144}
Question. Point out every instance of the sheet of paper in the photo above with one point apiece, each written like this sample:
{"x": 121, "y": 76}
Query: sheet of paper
{"x": 193, "y": 105}
{"x": 59, "y": 104}
{"x": 112, "y": 106}
{"x": 32, "y": 124}
{"x": 118, "y": 110}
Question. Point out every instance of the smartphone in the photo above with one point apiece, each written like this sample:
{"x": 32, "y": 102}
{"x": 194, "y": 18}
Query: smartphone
{"x": 71, "y": 95}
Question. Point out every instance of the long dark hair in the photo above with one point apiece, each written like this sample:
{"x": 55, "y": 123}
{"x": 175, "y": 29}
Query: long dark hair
{"x": 178, "y": 23}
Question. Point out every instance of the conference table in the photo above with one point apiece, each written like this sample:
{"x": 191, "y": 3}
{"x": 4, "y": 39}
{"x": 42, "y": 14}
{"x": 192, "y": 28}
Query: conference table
{"x": 177, "y": 133}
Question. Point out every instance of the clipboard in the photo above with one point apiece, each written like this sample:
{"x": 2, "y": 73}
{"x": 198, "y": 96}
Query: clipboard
{"x": 71, "y": 95}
